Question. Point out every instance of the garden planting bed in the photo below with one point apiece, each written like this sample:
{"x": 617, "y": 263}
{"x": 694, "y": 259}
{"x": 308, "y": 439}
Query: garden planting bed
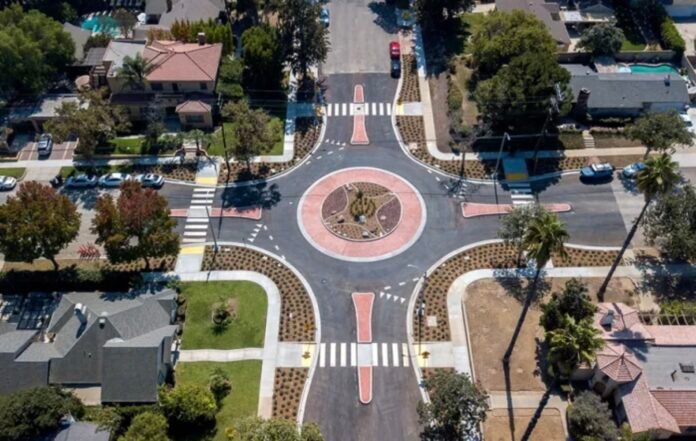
{"x": 551, "y": 165}
{"x": 429, "y": 372}
{"x": 297, "y": 322}
{"x": 185, "y": 171}
{"x": 585, "y": 257}
{"x": 410, "y": 92}
{"x": 287, "y": 392}
{"x": 361, "y": 211}
{"x": 307, "y": 134}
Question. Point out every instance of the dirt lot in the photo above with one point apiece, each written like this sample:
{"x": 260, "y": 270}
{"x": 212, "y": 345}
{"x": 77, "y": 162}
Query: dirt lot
{"x": 548, "y": 428}
{"x": 492, "y": 311}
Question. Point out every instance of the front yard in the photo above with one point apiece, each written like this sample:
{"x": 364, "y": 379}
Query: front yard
{"x": 243, "y": 400}
{"x": 276, "y": 126}
{"x": 246, "y": 303}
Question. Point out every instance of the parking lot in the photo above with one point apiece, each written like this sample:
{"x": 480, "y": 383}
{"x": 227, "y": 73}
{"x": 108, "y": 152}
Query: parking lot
{"x": 65, "y": 150}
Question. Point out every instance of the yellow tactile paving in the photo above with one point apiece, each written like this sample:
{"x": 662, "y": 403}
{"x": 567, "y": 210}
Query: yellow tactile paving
{"x": 308, "y": 350}
{"x": 207, "y": 180}
{"x": 193, "y": 250}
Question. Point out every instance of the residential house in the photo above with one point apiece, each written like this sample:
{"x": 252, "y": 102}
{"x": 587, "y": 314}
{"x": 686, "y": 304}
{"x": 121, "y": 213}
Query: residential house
{"x": 647, "y": 370}
{"x": 548, "y": 12}
{"x": 165, "y": 12}
{"x": 624, "y": 95}
{"x": 79, "y": 37}
{"x": 77, "y": 431}
{"x": 181, "y": 81}
{"x": 105, "y": 347}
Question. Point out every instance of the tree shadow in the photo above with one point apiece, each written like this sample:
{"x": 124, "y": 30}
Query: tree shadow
{"x": 508, "y": 397}
{"x": 260, "y": 195}
{"x": 517, "y": 289}
{"x": 443, "y": 43}
{"x": 385, "y": 16}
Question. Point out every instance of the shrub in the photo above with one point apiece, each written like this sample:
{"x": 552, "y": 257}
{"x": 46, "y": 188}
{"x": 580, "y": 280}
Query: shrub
{"x": 147, "y": 426}
{"x": 188, "y": 406}
{"x": 670, "y": 38}
{"x": 362, "y": 206}
{"x": 220, "y": 385}
{"x": 454, "y": 97}
{"x": 590, "y": 418}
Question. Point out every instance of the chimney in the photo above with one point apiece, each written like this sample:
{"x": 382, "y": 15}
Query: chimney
{"x": 102, "y": 320}
{"x": 169, "y": 5}
{"x": 201, "y": 38}
{"x": 582, "y": 101}
{"x": 668, "y": 79}
{"x": 81, "y": 313}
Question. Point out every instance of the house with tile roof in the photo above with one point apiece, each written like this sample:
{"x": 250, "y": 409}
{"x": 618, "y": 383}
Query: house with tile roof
{"x": 179, "y": 73}
{"x": 647, "y": 370}
{"x": 105, "y": 347}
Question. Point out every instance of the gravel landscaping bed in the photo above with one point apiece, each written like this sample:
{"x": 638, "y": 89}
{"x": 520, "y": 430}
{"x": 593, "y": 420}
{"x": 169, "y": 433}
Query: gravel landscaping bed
{"x": 585, "y": 257}
{"x": 550, "y": 165}
{"x": 182, "y": 172}
{"x": 307, "y": 134}
{"x": 163, "y": 264}
{"x": 289, "y": 383}
{"x": 410, "y": 91}
{"x": 297, "y": 322}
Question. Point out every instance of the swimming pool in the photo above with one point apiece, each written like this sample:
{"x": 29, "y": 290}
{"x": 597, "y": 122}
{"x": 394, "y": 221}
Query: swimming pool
{"x": 651, "y": 68}
{"x": 101, "y": 23}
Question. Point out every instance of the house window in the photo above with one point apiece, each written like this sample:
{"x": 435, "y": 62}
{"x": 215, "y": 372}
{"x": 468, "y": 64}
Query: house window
{"x": 175, "y": 87}
{"x": 204, "y": 86}
{"x": 195, "y": 119}
{"x": 156, "y": 86}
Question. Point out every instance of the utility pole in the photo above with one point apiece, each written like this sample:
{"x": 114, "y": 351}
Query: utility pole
{"x": 506, "y": 137}
{"x": 553, "y": 110}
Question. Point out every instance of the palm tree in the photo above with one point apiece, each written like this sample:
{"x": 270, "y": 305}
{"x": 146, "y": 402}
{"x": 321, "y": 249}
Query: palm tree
{"x": 545, "y": 235}
{"x": 134, "y": 71}
{"x": 660, "y": 176}
{"x": 572, "y": 344}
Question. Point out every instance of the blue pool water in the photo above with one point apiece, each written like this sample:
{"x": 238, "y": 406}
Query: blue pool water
{"x": 653, "y": 68}
{"x": 103, "y": 24}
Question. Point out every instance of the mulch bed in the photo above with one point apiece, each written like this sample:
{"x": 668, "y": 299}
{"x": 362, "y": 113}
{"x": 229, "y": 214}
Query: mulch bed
{"x": 182, "y": 172}
{"x": 410, "y": 91}
{"x": 297, "y": 322}
{"x": 306, "y": 136}
{"x": 583, "y": 257}
{"x": 289, "y": 383}
{"x": 163, "y": 264}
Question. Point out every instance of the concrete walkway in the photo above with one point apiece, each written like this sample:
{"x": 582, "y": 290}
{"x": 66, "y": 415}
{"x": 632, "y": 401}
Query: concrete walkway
{"x": 220, "y": 355}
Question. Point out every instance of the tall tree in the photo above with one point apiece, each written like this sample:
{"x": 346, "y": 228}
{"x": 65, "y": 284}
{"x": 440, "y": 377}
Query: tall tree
{"x": 660, "y": 176}
{"x": 136, "y": 226}
{"x": 34, "y": 49}
{"x": 432, "y": 13}
{"x": 602, "y": 39}
{"x": 262, "y": 57}
{"x": 660, "y": 131}
{"x": 125, "y": 20}
{"x": 147, "y": 426}
{"x": 590, "y": 419}
{"x": 37, "y": 222}
{"x": 571, "y": 344}
{"x": 251, "y": 429}
{"x": 94, "y": 121}
{"x": 230, "y": 78}
{"x": 304, "y": 38}
{"x": 457, "y": 406}
{"x": 250, "y": 134}
{"x": 545, "y": 236}
{"x": 514, "y": 225}
{"x": 573, "y": 302}
{"x": 134, "y": 71}
{"x": 32, "y": 413}
{"x": 670, "y": 224}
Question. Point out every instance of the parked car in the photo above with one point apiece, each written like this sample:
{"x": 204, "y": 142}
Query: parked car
{"x": 395, "y": 68}
{"x": 597, "y": 171}
{"x": 81, "y": 181}
{"x": 325, "y": 17}
{"x": 688, "y": 123}
{"x": 113, "y": 180}
{"x": 7, "y": 183}
{"x": 150, "y": 180}
{"x": 631, "y": 170}
{"x": 394, "y": 49}
{"x": 45, "y": 145}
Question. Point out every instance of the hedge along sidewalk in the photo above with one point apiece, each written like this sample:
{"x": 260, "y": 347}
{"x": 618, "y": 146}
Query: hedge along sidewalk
{"x": 273, "y": 354}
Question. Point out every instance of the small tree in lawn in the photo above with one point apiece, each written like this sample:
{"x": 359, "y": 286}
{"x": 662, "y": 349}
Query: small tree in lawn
{"x": 514, "y": 225}
{"x": 37, "y": 222}
{"x": 188, "y": 406}
{"x": 250, "y": 134}
{"x": 200, "y": 138}
{"x": 590, "y": 419}
{"x": 602, "y": 39}
{"x": 147, "y": 426}
{"x": 573, "y": 302}
{"x": 660, "y": 131}
{"x": 571, "y": 344}
{"x": 457, "y": 406}
{"x": 136, "y": 226}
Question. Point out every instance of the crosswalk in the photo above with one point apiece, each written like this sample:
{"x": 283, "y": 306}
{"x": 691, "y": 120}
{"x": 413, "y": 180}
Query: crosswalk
{"x": 363, "y": 354}
{"x": 350, "y": 109}
{"x": 521, "y": 194}
{"x": 196, "y": 227}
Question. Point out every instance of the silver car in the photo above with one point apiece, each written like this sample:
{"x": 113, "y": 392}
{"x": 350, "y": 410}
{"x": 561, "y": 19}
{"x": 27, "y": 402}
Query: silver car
{"x": 150, "y": 180}
{"x": 81, "y": 181}
{"x": 7, "y": 183}
{"x": 113, "y": 180}
{"x": 45, "y": 145}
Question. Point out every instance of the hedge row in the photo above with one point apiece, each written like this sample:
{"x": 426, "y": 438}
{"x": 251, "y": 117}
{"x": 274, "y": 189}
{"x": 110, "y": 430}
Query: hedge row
{"x": 670, "y": 38}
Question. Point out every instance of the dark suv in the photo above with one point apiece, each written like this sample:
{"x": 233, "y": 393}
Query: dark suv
{"x": 395, "y": 68}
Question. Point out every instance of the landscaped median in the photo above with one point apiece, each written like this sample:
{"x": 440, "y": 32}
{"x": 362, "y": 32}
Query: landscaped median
{"x": 172, "y": 169}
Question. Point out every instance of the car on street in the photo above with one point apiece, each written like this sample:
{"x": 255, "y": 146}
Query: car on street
{"x": 150, "y": 180}
{"x": 325, "y": 17}
{"x": 81, "y": 181}
{"x": 45, "y": 145}
{"x": 394, "y": 49}
{"x": 597, "y": 171}
{"x": 113, "y": 180}
{"x": 688, "y": 123}
{"x": 395, "y": 68}
{"x": 631, "y": 170}
{"x": 7, "y": 183}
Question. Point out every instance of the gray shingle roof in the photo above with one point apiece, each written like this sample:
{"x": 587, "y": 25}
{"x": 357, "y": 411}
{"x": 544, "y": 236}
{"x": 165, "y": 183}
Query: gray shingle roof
{"x": 548, "y": 13}
{"x": 78, "y": 431}
{"x": 192, "y": 10}
{"x": 626, "y": 90}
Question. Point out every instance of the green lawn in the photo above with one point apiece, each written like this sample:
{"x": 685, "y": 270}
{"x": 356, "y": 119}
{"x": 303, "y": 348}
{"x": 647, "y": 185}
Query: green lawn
{"x": 245, "y": 331}
{"x": 15, "y": 172}
{"x": 95, "y": 170}
{"x": 242, "y": 402}
{"x": 128, "y": 145}
{"x": 277, "y": 126}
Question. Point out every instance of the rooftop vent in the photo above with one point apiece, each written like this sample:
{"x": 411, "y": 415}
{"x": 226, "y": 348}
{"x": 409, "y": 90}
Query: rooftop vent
{"x": 81, "y": 312}
{"x": 608, "y": 319}
{"x": 102, "y": 319}
{"x": 687, "y": 368}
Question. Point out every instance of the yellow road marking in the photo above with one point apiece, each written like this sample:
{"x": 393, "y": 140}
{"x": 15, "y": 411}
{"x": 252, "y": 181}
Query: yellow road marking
{"x": 198, "y": 249}
{"x": 207, "y": 180}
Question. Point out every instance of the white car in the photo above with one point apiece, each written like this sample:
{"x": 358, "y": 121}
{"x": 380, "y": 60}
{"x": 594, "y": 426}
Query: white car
{"x": 7, "y": 183}
{"x": 81, "y": 181}
{"x": 150, "y": 180}
{"x": 113, "y": 180}
{"x": 688, "y": 123}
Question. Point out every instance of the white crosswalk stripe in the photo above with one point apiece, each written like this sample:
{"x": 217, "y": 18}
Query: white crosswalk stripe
{"x": 196, "y": 228}
{"x": 348, "y": 109}
{"x": 521, "y": 194}
{"x": 346, "y": 354}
